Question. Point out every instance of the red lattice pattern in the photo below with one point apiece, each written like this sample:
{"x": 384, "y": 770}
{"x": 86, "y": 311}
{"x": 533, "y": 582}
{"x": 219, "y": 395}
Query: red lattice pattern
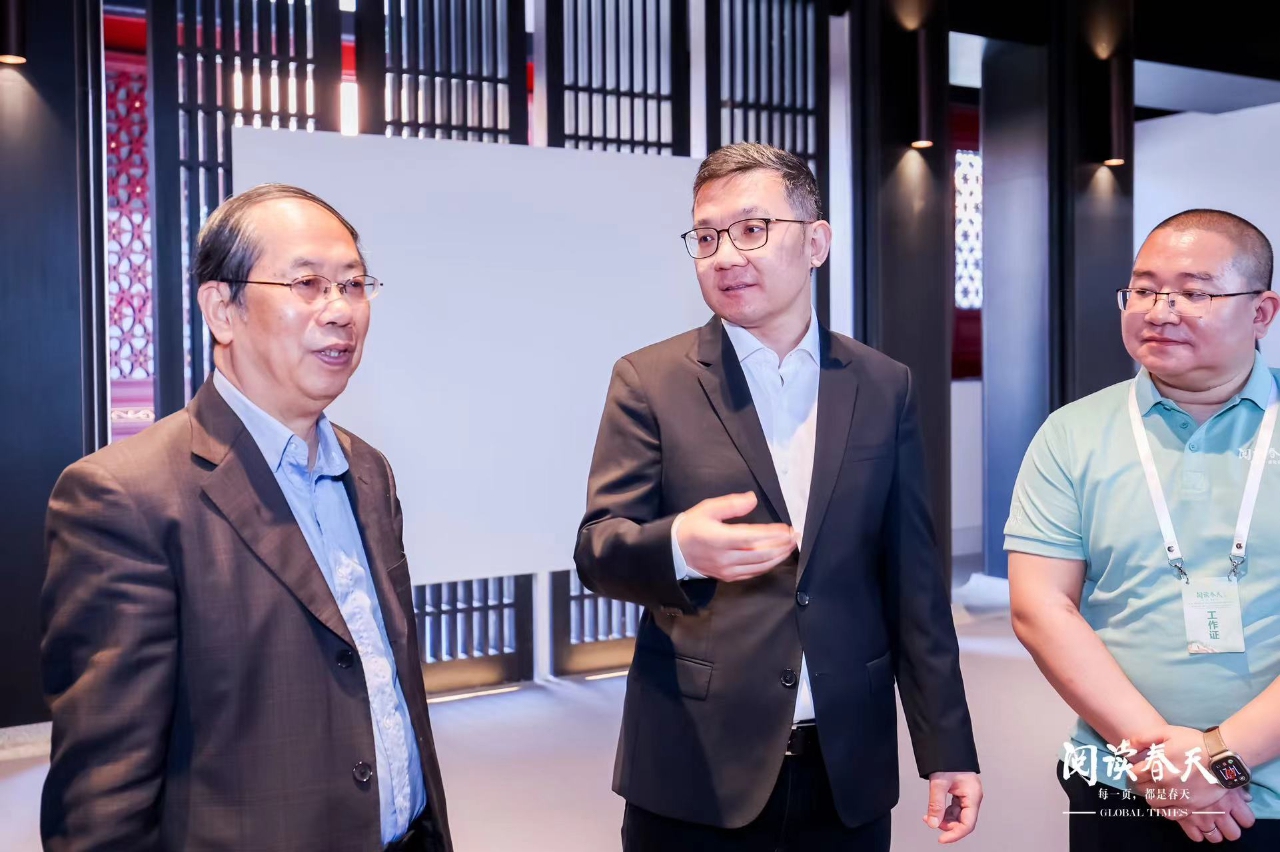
{"x": 130, "y": 342}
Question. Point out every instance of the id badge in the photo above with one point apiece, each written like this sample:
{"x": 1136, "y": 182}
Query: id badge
{"x": 1211, "y": 610}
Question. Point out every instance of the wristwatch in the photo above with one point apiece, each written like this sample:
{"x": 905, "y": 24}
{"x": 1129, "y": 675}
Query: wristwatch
{"x": 1225, "y": 764}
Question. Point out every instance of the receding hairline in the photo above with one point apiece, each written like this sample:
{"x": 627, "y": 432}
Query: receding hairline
{"x": 252, "y": 212}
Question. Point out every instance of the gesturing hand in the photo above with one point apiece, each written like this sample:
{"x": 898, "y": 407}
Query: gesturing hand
{"x": 731, "y": 552}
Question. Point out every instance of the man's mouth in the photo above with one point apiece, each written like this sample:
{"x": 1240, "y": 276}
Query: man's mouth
{"x": 336, "y": 355}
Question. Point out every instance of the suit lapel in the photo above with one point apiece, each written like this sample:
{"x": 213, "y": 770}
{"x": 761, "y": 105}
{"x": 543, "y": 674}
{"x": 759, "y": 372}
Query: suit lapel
{"x": 726, "y": 388}
{"x": 245, "y": 491}
{"x": 837, "y": 395}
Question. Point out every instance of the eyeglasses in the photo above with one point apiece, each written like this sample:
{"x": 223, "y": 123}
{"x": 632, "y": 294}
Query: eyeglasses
{"x": 361, "y": 288}
{"x": 1184, "y": 303}
{"x": 745, "y": 234}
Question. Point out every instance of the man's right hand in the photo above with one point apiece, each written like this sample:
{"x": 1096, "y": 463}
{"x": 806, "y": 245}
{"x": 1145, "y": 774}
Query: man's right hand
{"x": 731, "y": 552}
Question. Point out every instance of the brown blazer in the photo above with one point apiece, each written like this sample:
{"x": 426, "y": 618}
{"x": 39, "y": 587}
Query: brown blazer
{"x": 204, "y": 687}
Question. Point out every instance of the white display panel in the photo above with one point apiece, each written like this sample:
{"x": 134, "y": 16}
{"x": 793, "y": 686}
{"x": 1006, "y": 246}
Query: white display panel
{"x": 1223, "y": 161}
{"x": 515, "y": 278}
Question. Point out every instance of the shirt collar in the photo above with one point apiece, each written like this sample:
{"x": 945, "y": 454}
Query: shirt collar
{"x": 1257, "y": 390}
{"x": 745, "y": 343}
{"x": 277, "y": 443}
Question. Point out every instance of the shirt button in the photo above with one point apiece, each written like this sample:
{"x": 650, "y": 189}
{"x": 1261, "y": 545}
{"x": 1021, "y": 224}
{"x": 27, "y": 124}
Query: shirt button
{"x": 1193, "y": 448}
{"x": 346, "y": 659}
{"x": 1186, "y": 425}
{"x": 362, "y": 772}
{"x": 789, "y": 679}
{"x": 802, "y": 599}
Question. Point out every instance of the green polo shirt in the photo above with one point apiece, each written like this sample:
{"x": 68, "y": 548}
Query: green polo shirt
{"x": 1081, "y": 494}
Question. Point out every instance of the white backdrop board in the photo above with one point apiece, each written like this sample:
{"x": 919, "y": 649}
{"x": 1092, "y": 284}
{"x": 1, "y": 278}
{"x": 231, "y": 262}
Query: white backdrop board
{"x": 515, "y": 278}
{"x": 1224, "y": 161}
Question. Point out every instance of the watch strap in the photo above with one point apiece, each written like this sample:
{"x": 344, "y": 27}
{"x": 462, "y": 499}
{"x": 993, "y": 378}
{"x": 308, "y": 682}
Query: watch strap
{"x": 1214, "y": 744}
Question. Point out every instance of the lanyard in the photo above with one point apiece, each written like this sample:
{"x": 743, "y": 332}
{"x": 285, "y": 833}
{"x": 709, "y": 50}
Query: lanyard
{"x": 1256, "y": 465}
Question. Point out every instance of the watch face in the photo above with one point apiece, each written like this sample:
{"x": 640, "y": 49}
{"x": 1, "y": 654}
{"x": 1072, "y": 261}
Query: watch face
{"x": 1231, "y": 772}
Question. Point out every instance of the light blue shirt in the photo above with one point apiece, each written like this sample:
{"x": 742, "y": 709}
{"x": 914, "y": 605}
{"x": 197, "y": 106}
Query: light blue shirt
{"x": 1082, "y": 495}
{"x": 322, "y": 509}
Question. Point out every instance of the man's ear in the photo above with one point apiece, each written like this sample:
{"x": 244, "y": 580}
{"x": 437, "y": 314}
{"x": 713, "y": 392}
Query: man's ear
{"x": 216, "y": 306}
{"x": 819, "y": 243}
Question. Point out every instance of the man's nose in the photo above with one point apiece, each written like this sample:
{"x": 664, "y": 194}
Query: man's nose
{"x": 727, "y": 254}
{"x": 1161, "y": 313}
{"x": 337, "y": 307}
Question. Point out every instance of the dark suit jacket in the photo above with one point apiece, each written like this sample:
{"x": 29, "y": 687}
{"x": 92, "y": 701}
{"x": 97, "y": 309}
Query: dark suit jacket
{"x": 712, "y": 687}
{"x": 206, "y": 694}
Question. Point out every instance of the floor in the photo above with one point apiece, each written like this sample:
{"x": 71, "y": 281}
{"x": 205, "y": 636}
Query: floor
{"x": 529, "y": 771}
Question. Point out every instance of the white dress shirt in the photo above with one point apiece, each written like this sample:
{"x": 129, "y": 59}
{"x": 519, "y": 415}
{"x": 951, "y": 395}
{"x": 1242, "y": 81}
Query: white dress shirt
{"x": 785, "y": 394}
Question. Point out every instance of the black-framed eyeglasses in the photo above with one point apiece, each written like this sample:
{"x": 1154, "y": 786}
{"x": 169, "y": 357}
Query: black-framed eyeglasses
{"x": 360, "y": 288}
{"x": 745, "y": 234}
{"x": 1184, "y": 303}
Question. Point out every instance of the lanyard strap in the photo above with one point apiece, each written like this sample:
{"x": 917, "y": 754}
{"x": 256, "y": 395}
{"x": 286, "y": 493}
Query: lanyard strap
{"x": 1249, "y": 500}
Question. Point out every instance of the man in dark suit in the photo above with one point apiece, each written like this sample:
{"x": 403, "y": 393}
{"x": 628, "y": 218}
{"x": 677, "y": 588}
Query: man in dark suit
{"x": 229, "y": 652}
{"x": 760, "y": 706}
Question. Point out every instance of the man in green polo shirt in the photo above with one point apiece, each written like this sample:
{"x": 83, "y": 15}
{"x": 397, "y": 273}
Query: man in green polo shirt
{"x": 1144, "y": 557}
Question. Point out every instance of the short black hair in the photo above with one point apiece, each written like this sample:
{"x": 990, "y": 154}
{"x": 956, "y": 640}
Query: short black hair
{"x": 799, "y": 183}
{"x": 1254, "y": 258}
{"x": 226, "y": 249}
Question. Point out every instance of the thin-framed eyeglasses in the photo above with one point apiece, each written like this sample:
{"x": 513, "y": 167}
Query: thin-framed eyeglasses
{"x": 360, "y": 288}
{"x": 1184, "y": 303}
{"x": 745, "y": 234}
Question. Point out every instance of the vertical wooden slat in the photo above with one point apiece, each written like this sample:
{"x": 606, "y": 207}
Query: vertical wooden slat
{"x": 475, "y": 65}
{"x": 165, "y": 184}
{"x": 396, "y": 63}
{"x": 713, "y": 95}
{"x": 371, "y": 65}
{"x": 324, "y": 52}
{"x": 489, "y": 87}
{"x": 412, "y": 36}
{"x": 680, "y": 95}
{"x": 263, "y": 52}
{"x": 517, "y": 89}
{"x": 227, "y": 50}
{"x": 656, "y": 101}
{"x": 644, "y": 72}
{"x": 430, "y": 60}
{"x": 437, "y": 621}
{"x": 447, "y": 65}
{"x": 280, "y": 62}
{"x": 191, "y": 100}
{"x": 483, "y": 609}
{"x": 615, "y": 68}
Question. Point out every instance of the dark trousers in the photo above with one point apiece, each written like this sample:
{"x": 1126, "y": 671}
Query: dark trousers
{"x": 1099, "y": 832}
{"x": 800, "y": 816}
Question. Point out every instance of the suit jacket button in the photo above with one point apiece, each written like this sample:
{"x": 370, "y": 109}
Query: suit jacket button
{"x": 346, "y": 659}
{"x": 362, "y": 772}
{"x": 789, "y": 679}
{"x": 802, "y": 599}
{"x": 671, "y": 611}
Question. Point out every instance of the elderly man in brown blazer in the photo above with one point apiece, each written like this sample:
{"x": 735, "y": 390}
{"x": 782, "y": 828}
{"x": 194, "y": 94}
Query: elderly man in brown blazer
{"x": 228, "y": 649}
